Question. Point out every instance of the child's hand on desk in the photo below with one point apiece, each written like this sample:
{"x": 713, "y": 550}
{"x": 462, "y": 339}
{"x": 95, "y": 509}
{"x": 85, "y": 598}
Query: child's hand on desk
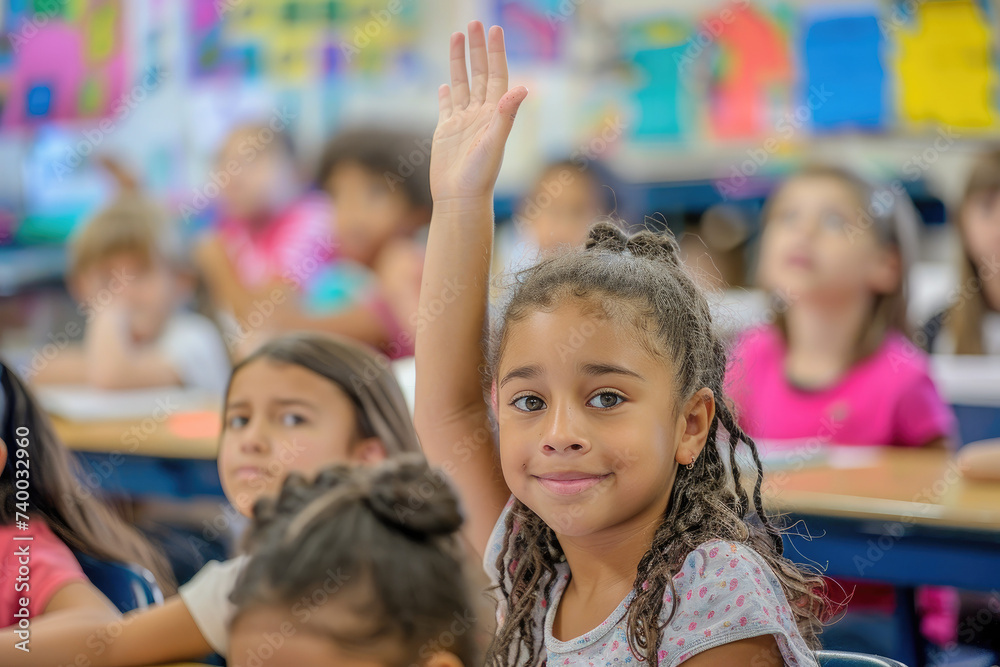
{"x": 475, "y": 118}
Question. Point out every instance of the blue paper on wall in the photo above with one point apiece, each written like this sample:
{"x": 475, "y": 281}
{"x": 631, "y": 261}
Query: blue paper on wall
{"x": 842, "y": 55}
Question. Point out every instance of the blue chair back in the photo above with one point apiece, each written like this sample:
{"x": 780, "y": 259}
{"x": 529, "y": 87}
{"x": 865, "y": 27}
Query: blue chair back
{"x": 128, "y": 586}
{"x": 846, "y": 659}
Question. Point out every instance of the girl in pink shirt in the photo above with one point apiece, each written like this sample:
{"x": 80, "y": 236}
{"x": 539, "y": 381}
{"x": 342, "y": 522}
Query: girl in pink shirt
{"x": 44, "y": 512}
{"x": 835, "y": 365}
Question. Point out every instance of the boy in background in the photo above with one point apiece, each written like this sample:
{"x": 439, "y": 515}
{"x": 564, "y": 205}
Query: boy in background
{"x": 128, "y": 275}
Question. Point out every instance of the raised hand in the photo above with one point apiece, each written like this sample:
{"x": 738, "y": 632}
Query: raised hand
{"x": 475, "y": 118}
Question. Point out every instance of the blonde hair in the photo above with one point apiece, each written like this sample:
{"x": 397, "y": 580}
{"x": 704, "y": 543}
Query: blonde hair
{"x": 893, "y": 219}
{"x": 964, "y": 320}
{"x": 133, "y": 224}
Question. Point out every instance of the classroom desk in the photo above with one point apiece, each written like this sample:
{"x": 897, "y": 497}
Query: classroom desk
{"x": 147, "y": 457}
{"x": 904, "y": 517}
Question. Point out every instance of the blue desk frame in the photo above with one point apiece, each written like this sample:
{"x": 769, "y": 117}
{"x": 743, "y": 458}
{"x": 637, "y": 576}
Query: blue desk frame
{"x": 149, "y": 476}
{"x": 903, "y": 554}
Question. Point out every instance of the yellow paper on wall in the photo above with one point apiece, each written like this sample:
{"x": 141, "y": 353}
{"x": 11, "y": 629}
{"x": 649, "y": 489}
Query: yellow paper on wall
{"x": 944, "y": 67}
{"x": 293, "y": 53}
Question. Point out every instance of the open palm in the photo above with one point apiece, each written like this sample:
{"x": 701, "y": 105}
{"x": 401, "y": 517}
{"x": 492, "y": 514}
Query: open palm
{"x": 475, "y": 118}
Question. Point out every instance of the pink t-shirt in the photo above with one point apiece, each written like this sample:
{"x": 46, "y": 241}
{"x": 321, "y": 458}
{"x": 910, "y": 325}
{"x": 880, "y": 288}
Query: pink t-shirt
{"x": 887, "y": 398}
{"x": 47, "y": 564}
{"x": 296, "y": 243}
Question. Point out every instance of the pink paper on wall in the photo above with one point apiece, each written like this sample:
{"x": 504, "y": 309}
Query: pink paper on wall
{"x": 67, "y": 69}
{"x": 754, "y": 56}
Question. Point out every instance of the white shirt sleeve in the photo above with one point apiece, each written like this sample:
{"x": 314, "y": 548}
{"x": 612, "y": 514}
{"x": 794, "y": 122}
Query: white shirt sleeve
{"x": 194, "y": 347}
{"x": 206, "y": 597}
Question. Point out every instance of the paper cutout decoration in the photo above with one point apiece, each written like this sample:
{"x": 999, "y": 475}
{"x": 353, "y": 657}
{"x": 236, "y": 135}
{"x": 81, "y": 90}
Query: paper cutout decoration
{"x": 67, "y": 61}
{"x": 754, "y": 59}
{"x": 944, "y": 67}
{"x": 662, "y": 100}
{"x": 302, "y": 40}
{"x": 195, "y": 425}
{"x": 842, "y": 58}
{"x": 534, "y": 29}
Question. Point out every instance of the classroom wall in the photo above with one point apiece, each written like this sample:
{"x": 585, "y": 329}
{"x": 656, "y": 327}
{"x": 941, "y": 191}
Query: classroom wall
{"x": 662, "y": 90}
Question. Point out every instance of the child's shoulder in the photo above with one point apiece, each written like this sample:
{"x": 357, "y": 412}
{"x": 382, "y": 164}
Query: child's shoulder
{"x": 761, "y": 339}
{"x": 726, "y": 592}
{"x": 715, "y": 558}
{"x": 900, "y": 358}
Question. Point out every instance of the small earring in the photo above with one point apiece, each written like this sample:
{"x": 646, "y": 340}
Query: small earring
{"x": 690, "y": 466}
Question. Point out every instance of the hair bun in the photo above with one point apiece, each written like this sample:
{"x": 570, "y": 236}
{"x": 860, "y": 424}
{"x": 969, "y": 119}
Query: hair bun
{"x": 605, "y": 235}
{"x": 409, "y": 495}
{"x": 651, "y": 245}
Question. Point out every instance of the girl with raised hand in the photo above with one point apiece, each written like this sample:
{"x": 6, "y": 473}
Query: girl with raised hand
{"x": 612, "y": 512}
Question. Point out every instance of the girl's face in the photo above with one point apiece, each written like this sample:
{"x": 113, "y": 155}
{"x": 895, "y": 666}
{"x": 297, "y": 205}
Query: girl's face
{"x": 281, "y": 418}
{"x": 981, "y": 228}
{"x": 261, "y": 176}
{"x": 561, "y": 209}
{"x": 369, "y": 213}
{"x": 818, "y": 243}
{"x": 590, "y": 430}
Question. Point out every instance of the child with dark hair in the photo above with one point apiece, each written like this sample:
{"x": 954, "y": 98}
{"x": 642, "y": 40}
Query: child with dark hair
{"x": 363, "y": 281}
{"x": 39, "y": 487}
{"x": 556, "y": 214}
{"x": 374, "y": 554}
{"x": 614, "y": 515}
{"x": 377, "y": 180}
{"x": 298, "y": 404}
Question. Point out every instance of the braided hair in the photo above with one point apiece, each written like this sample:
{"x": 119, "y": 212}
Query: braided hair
{"x": 641, "y": 277}
{"x": 380, "y": 539}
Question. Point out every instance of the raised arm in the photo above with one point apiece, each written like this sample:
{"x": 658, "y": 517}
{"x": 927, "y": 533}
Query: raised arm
{"x": 451, "y": 416}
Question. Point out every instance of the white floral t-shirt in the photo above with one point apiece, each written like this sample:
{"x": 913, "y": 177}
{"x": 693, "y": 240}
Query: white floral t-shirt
{"x": 725, "y": 593}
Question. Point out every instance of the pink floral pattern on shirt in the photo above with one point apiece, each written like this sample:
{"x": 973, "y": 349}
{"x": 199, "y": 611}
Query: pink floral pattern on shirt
{"x": 725, "y": 592}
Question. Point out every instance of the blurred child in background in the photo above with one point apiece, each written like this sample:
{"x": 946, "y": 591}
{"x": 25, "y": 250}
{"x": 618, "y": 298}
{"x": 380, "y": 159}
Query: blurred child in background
{"x": 565, "y": 201}
{"x": 39, "y": 486}
{"x": 377, "y": 181}
{"x": 396, "y": 593}
{"x": 128, "y": 275}
{"x": 295, "y": 405}
{"x": 836, "y": 366}
{"x": 270, "y": 235}
{"x": 971, "y": 325}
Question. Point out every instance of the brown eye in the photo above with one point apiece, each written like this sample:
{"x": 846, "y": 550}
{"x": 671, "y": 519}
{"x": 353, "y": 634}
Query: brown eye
{"x": 605, "y": 399}
{"x": 529, "y": 403}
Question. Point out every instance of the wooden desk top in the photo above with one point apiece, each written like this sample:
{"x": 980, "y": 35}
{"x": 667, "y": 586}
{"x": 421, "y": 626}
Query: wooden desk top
{"x": 890, "y": 484}
{"x": 183, "y": 435}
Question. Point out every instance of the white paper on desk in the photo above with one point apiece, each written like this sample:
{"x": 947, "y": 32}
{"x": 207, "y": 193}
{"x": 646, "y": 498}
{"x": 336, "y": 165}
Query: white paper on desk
{"x": 967, "y": 379}
{"x": 854, "y": 457}
{"x": 86, "y": 404}
{"x": 790, "y": 454}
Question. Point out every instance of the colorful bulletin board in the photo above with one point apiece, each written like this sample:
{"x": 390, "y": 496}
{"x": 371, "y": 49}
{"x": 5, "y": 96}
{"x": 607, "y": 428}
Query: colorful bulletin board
{"x": 303, "y": 40}
{"x": 60, "y": 59}
{"x": 535, "y": 29}
{"x": 738, "y": 71}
